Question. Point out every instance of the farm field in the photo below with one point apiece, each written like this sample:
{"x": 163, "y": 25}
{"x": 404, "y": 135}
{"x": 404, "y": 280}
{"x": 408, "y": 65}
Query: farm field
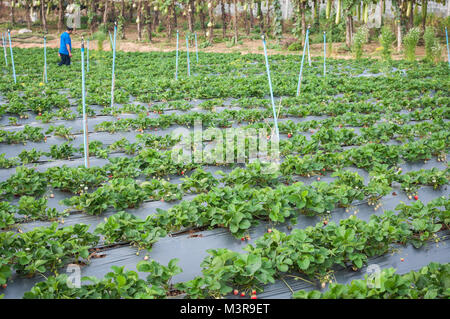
{"x": 361, "y": 183}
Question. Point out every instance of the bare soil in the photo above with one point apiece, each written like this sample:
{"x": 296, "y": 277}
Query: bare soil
{"x": 130, "y": 44}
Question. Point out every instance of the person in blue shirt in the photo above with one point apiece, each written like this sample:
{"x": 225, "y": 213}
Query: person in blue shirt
{"x": 65, "y": 47}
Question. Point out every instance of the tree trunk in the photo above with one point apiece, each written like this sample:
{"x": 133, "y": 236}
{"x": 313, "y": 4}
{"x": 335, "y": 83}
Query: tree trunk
{"x": 122, "y": 14}
{"x": 28, "y": 14}
{"x": 13, "y": 4}
{"x": 190, "y": 16}
{"x": 44, "y": 18}
{"x": 169, "y": 21}
{"x": 260, "y": 17}
{"x": 251, "y": 16}
{"x": 60, "y": 16}
{"x": 105, "y": 13}
{"x": 139, "y": 20}
{"x": 202, "y": 20}
{"x": 113, "y": 10}
{"x": 303, "y": 17}
{"x": 130, "y": 11}
{"x": 246, "y": 19}
{"x": 175, "y": 20}
{"x": 424, "y": 13}
{"x": 349, "y": 31}
{"x": 411, "y": 16}
{"x": 224, "y": 21}
{"x": 211, "y": 21}
{"x": 155, "y": 20}
{"x": 148, "y": 20}
{"x": 93, "y": 23}
{"x": 399, "y": 35}
{"x": 235, "y": 22}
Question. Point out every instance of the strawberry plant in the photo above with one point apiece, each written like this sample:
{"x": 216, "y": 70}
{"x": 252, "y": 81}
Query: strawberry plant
{"x": 75, "y": 179}
{"x": 32, "y": 208}
{"x": 199, "y": 181}
{"x": 430, "y": 282}
{"x": 26, "y": 181}
{"x": 124, "y": 227}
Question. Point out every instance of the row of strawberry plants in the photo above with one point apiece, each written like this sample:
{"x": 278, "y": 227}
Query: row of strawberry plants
{"x": 325, "y": 138}
{"x": 429, "y": 282}
{"x": 313, "y": 252}
{"x": 228, "y": 117}
{"x": 43, "y": 249}
{"x": 122, "y": 193}
{"x": 30, "y": 182}
{"x": 240, "y": 206}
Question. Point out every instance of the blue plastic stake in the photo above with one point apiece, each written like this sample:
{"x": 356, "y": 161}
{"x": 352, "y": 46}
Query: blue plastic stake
{"x": 271, "y": 91}
{"x": 12, "y": 57}
{"x": 196, "y": 47}
{"x": 45, "y": 59}
{"x": 83, "y": 98}
{"x": 324, "y": 54}
{"x": 113, "y": 76}
{"x": 4, "y": 49}
{"x": 301, "y": 67}
{"x": 187, "y": 48}
{"x": 448, "y": 51}
{"x": 176, "y": 63}
{"x": 87, "y": 52}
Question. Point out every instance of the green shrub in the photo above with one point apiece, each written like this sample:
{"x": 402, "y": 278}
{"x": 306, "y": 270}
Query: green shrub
{"x": 410, "y": 42}
{"x": 433, "y": 49}
{"x": 100, "y": 36}
{"x": 296, "y": 46}
{"x": 358, "y": 41}
{"x": 386, "y": 39}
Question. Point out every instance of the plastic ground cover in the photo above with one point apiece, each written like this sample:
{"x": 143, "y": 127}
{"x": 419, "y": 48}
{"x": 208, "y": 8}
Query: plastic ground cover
{"x": 191, "y": 250}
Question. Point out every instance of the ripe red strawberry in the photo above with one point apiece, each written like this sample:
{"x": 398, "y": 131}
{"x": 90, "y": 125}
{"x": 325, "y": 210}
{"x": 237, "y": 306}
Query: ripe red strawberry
{"x": 289, "y": 135}
{"x": 4, "y": 286}
{"x": 325, "y": 222}
{"x": 243, "y": 238}
{"x": 182, "y": 172}
{"x": 253, "y": 292}
{"x": 242, "y": 294}
{"x": 40, "y": 114}
{"x": 416, "y": 197}
{"x": 253, "y": 297}
{"x": 235, "y": 292}
{"x": 323, "y": 169}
